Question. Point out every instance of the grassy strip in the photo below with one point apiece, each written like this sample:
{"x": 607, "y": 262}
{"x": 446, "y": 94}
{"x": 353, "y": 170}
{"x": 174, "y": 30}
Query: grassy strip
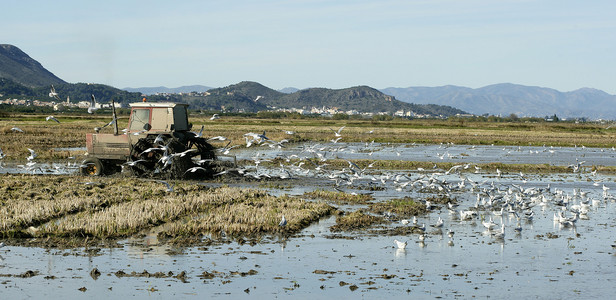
{"x": 355, "y": 221}
{"x": 250, "y": 217}
{"x": 339, "y": 197}
{"x": 120, "y": 207}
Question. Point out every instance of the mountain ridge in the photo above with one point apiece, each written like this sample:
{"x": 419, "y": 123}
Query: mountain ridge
{"x": 508, "y": 98}
{"x": 17, "y": 66}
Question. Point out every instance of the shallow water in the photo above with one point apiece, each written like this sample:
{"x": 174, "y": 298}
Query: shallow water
{"x": 545, "y": 260}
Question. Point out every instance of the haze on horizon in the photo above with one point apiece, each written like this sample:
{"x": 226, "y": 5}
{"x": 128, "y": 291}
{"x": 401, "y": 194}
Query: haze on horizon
{"x": 564, "y": 45}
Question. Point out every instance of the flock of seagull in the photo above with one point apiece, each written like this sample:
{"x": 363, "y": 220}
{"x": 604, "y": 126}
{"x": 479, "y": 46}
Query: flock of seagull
{"x": 499, "y": 196}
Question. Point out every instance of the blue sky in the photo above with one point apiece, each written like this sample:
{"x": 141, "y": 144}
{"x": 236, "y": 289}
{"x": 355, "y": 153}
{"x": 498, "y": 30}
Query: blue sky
{"x": 565, "y": 45}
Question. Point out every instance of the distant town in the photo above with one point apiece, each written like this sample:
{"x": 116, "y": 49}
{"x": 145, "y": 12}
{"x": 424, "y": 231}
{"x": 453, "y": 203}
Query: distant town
{"x": 324, "y": 111}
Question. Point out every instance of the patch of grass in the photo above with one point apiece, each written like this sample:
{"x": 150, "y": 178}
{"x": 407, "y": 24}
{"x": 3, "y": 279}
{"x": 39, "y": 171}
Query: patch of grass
{"x": 116, "y": 207}
{"x": 339, "y": 197}
{"x": 355, "y": 220}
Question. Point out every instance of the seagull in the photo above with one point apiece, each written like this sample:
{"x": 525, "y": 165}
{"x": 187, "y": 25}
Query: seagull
{"x": 439, "y": 223}
{"x": 283, "y": 222}
{"x": 133, "y": 163}
{"x": 2, "y": 155}
{"x": 217, "y": 138}
{"x": 198, "y": 135}
{"x": 92, "y": 107}
{"x": 400, "y": 244}
{"x": 195, "y": 169}
{"x": 52, "y": 118}
{"x": 16, "y": 129}
{"x": 169, "y": 187}
{"x": 159, "y": 139}
{"x": 215, "y": 117}
{"x": 501, "y": 234}
{"x": 53, "y": 94}
{"x": 490, "y": 224}
{"x": 2, "y": 245}
{"x": 32, "y": 155}
{"x": 337, "y": 133}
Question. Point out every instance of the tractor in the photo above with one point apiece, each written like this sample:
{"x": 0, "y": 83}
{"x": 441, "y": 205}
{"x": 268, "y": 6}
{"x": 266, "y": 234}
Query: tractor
{"x": 157, "y": 143}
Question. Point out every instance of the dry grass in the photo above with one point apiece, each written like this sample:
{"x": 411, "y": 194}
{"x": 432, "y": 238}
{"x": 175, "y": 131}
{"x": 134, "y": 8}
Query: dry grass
{"x": 65, "y": 206}
{"x": 355, "y": 221}
{"x": 339, "y": 197}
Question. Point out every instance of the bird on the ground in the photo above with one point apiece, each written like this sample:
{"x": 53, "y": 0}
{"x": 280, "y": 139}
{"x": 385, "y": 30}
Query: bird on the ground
{"x": 400, "y": 245}
{"x": 439, "y": 223}
{"x": 16, "y": 129}
{"x": 283, "y": 222}
{"x": 500, "y": 234}
{"x": 52, "y": 118}
{"x": 2, "y": 155}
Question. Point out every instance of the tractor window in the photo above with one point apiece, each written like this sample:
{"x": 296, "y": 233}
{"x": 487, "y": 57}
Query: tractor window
{"x": 139, "y": 118}
{"x": 180, "y": 118}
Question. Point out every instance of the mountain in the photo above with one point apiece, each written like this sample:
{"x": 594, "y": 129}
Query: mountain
{"x": 21, "y": 68}
{"x": 288, "y": 90}
{"x": 162, "y": 89}
{"x": 252, "y": 97}
{"x": 506, "y": 99}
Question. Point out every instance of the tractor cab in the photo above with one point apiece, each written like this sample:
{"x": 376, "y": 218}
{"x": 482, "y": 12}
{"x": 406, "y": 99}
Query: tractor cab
{"x": 156, "y": 118}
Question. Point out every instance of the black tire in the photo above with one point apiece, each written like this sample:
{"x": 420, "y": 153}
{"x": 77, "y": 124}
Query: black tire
{"x": 92, "y": 166}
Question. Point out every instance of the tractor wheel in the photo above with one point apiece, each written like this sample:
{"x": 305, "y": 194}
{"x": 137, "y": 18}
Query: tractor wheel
{"x": 92, "y": 166}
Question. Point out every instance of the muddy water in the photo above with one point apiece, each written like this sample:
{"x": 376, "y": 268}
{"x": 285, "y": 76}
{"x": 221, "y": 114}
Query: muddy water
{"x": 544, "y": 260}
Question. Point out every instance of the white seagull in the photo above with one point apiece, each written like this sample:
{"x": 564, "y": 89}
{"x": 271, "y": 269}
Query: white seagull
{"x": 400, "y": 244}
{"x": 32, "y": 155}
{"x": 337, "y": 133}
{"x": 92, "y": 107}
{"x": 16, "y": 129}
{"x": 215, "y": 117}
{"x": 52, "y": 118}
{"x": 283, "y": 222}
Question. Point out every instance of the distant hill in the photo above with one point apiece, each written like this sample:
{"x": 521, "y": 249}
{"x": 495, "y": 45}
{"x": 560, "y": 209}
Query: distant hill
{"x": 162, "y": 89}
{"x": 252, "y": 96}
{"x": 288, "y": 90}
{"x": 21, "y": 68}
{"x": 506, "y": 99}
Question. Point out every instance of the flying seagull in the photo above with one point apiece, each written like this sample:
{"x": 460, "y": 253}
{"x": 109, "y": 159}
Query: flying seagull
{"x": 32, "y": 155}
{"x": 337, "y": 133}
{"x": 92, "y": 107}
{"x": 52, "y": 118}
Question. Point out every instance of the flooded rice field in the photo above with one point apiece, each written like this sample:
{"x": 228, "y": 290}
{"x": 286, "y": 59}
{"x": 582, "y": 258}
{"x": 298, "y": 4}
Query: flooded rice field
{"x": 558, "y": 238}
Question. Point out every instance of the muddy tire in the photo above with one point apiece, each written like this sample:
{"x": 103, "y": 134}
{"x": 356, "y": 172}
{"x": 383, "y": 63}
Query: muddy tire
{"x": 92, "y": 166}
